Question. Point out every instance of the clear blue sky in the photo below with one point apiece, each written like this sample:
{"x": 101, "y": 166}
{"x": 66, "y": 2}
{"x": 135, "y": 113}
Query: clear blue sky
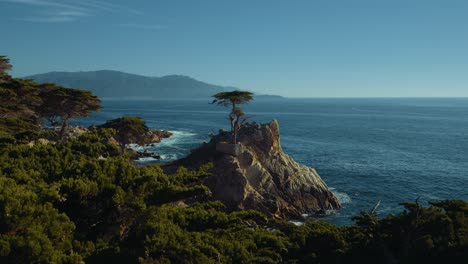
{"x": 328, "y": 48}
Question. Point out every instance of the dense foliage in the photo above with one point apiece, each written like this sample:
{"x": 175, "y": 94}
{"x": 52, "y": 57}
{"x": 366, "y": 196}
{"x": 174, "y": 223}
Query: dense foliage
{"x": 59, "y": 104}
{"x": 4, "y": 67}
{"x": 26, "y": 106}
{"x": 128, "y": 130}
{"x": 62, "y": 202}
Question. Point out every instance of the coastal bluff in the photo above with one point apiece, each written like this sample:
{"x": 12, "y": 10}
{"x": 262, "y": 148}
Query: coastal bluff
{"x": 257, "y": 174}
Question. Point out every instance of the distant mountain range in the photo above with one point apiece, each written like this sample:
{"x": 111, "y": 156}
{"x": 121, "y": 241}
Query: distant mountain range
{"x": 115, "y": 84}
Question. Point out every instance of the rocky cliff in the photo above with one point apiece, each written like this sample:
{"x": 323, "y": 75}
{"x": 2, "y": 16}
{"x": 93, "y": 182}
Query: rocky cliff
{"x": 257, "y": 174}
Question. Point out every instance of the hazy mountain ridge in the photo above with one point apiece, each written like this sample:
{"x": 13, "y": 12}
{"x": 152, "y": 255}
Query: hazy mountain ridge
{"x": 115, "y": 84}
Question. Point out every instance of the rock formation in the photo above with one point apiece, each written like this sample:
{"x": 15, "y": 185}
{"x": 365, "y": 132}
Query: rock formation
{"x": 151, "y": 137}
{"x": 257, "y": 174}
{"x": 155, "y": 136}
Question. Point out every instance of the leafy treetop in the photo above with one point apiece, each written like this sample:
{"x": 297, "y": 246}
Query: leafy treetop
{"x": 128, "y": 130}
{"x": 232, "y": 98}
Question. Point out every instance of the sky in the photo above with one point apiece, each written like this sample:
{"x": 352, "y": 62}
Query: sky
{"x": 296, "y": 48}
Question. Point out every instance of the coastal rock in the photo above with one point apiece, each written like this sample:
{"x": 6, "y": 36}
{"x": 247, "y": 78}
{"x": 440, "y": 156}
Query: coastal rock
{"x": 257, "y": 174}
{"x": 40, "y": 141}
{"x": 147, "y": 154}
{"x": 155, "y": 136}
{"x": 73, "y": 132}
{"x": 151, "y": 137}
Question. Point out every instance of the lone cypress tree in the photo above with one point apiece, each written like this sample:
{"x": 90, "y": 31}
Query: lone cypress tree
{"x": 232, "y": 99}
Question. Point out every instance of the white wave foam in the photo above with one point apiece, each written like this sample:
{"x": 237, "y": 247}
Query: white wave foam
{"x": 137, "y": 147}
{"x": 169, "y": 156}
{"x": 182, "y": 133}
{"x": 342, "y": 197}
{"x": 146, "y": 159}
{"x": 169, "y": 149}
{"x": 178, "y": 137}
{"x": 297, "y": 223}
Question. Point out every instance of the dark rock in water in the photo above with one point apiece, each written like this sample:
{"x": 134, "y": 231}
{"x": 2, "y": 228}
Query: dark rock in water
{"x": 257, "y": 174}
{"x": 147, "y": 154}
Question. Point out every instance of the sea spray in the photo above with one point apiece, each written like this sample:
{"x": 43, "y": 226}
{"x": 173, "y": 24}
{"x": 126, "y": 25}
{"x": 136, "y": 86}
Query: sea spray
{"x": 344, "y": 198}
{"x": 169, "y": 149}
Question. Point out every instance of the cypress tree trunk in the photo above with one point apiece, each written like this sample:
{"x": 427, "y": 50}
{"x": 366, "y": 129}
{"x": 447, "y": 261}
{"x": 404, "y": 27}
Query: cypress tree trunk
{"x": 233, "y": 123}
{"x": 231, "y": 118}
{"x": 65, "y": 124}
{"x": 235, "y": 135}
{"x": 236, "y": 129}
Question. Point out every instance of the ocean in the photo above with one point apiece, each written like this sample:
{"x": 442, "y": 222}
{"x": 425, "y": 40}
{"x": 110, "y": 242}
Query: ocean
{"x": 365, "y": 149}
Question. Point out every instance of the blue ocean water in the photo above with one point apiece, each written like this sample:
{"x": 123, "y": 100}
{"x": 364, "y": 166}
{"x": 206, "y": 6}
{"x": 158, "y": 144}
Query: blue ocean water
{"x": 366, "y": 150}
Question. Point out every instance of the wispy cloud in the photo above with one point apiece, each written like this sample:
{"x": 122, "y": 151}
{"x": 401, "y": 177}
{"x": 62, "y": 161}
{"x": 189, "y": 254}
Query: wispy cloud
{"x": 109, "y": 7}
{"x": 55, "y": 19}
{"x": 56, "y": 16}
{"x": 142, "y": 26}
{"x": 53, "y": 11}
{"x": 69, "y": 13}
{"x": 45, "y": 3}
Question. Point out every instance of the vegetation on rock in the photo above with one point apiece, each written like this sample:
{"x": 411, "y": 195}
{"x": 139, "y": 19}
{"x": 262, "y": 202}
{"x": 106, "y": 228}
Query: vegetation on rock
{"x": 128, "y": 130}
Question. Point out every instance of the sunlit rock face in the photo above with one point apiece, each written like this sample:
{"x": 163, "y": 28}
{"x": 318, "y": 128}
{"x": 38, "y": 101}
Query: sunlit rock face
{"x": 257, "y": 174}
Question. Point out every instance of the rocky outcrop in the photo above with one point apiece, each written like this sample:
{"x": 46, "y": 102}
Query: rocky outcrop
{"x": 150, "y": 137}
{"x": 257, "y": 174}
{"x": 147, "y": 154}
{"x": 155, "y": 136}
{"x": 72, "y": 132}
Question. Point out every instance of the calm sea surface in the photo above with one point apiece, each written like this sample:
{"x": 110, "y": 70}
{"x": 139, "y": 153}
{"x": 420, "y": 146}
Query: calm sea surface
{"x": 366, "y": 150}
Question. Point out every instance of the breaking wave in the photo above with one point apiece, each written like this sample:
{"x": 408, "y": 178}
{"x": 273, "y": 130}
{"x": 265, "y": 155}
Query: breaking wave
{"x": 342, "y": 197}
{"x": 169, "y": 149}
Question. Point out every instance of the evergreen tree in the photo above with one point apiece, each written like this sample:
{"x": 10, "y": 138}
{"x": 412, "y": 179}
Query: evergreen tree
{"x": 62, "y": 104}
{"x": 4, "y": 67}
{"x": 233, "y": 99}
